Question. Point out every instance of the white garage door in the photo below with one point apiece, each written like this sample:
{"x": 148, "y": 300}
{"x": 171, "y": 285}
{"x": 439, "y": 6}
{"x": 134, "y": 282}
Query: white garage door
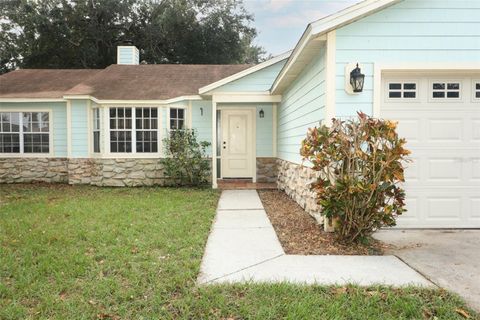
{"x": 439, "y": 115}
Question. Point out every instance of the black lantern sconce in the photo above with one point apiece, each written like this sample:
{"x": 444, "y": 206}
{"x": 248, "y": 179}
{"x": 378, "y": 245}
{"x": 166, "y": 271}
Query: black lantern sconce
{"x": 201, "y": 112}
{"x": 261, "y": 113}
{"x": 357, "y": 79}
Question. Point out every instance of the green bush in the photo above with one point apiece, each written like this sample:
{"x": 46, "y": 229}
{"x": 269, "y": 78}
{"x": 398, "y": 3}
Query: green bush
{"x": 186, "y": 163}
{"x": 362, "y": 165}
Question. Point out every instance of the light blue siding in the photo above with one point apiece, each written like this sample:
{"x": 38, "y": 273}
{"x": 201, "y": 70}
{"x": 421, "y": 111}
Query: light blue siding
{"x": 302, "y": 107}
{"x": 261, "y": 80}
{"x": 79, "y": 128}
{"x": 202, "y": 124}
{"x": 58, "y": 121}
{"x": 264, "y": 129}
{"x": 412, "y": 31}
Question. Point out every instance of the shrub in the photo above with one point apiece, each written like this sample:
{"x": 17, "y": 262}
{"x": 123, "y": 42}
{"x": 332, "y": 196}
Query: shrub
{"x": 185, "y": 162}
{"x": 362, "y": 163}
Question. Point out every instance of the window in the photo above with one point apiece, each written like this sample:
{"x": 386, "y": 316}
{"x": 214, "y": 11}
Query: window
{"x": 399, "y": 90}
{"x": 126, "y": 133}
{"x": 96, "y": 130}
{"x": 446, "y": 90}
{"x": 476, "y": 90}
{"x": 24, "y": 132}
{"x": 9, "y": 132}
{"x": 177, "y": 118}
{"x": 146, "y": 121}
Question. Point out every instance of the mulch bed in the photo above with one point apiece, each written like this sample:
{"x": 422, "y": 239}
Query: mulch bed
{"x": 300, "y": 234}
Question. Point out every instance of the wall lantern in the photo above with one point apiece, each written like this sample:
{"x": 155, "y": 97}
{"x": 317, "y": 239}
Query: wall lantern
{"x": 261, "y": 113}
{"x": 201, "y": 112}
{"x": 357, "y": 78}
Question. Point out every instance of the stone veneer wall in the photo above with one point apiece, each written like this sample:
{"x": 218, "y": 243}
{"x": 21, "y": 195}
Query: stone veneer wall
{"x": 27, "y": 170}
{"x": 296, "y": 180}
{"x": 267, "y": 170}
{"x": 99, "y": 172}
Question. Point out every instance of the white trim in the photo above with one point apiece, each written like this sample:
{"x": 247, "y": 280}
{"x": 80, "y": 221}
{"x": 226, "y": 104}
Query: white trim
{"x": 32, "y": 100}
{"x": 330, "y": 81}
{"x": 406, "y": 67}
{"x": 214, "y": 145}
{"x": 189, "y": 115}
{"x": 246, "y": 97}
{"x": 22, "y": 154}
{"x": 274, "y": 130}
{"x": 206, "y": 89}
{"x": 133, "y": 102}
{"x": 327, "y": 24}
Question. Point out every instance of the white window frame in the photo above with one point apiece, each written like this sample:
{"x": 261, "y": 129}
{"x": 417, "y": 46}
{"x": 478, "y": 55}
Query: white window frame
{"x": 475, "y": 90}
{"x": 185, "y": 117}
{"x": 446, "y": 90}
{"x": 22, "y": 154}
{"x": 134, "y": 154}
{"x": 402, "y": 82}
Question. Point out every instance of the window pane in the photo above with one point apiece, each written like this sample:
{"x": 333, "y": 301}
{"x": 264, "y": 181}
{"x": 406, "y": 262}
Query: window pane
{"x": 453, "y": 86}
{"x": 409, "y": 94}
{"x": 153, "y": 124}
{"x": 180, "y": 124}
{"x": 395, "y": 94}
{"x": 453, "y": 94}
{"x": 477, "y": 86}
{"x": 395, "y": 86}
{"x": 154, "y": 112}
{"x": 128, "y": 112}
{"x": 410, "y": 86}
{"x": 180, "y": 113}
{"x": 173, "y": 113}
{"x": 96, "y": 141}
{"x": 173, "y": 124}
{"x": 9, "y": 143}
{"x": 439, "y": 86}
{"x": 121, "y": 112}
{"x": 113, "y": 112}
{"x": 477, "y": 94}
{"x": 113, "y": 124}
{"x": 439, "y": 94}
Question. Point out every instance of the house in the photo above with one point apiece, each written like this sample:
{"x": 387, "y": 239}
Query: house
{"x": 421, "y": 60}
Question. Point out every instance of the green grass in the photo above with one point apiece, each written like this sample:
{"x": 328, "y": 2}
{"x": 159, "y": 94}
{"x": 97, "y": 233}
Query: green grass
{"x": 99, "y": 253}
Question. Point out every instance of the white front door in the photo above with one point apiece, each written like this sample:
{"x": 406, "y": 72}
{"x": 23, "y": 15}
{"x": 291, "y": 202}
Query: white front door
{"x": 237, "y": 144}
{"x": 439, "y": 115}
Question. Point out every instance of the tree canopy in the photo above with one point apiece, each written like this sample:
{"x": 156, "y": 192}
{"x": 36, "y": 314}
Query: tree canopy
{"x": 85, "y": 33}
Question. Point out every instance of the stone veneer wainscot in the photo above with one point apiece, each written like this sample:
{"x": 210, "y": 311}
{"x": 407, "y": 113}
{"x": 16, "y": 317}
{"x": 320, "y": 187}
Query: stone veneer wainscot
{"x": 296, "y": 181}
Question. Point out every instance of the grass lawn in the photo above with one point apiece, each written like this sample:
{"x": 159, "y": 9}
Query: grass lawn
{"x": 100, "y": 253}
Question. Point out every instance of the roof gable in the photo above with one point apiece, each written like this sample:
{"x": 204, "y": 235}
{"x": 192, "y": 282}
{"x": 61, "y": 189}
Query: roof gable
{"x": 243, "y": 75}
{"x": 317, "y": 30}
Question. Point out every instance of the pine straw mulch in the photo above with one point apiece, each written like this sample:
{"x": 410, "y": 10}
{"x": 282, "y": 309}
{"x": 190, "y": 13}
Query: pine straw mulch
{"x": 300, "y": 234}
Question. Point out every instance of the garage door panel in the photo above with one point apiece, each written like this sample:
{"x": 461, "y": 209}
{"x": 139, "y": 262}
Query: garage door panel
{"x": 445, "y": 130}
{"x": 445, "y": 169}
{"x": 442, "y": 182}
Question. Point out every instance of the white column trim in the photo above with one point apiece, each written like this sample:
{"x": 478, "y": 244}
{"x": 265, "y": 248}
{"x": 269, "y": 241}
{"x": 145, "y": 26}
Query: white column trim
{"x": 274, "y": 129}
{"x": 214, "y": 144}
{"x": 330, "y": 87}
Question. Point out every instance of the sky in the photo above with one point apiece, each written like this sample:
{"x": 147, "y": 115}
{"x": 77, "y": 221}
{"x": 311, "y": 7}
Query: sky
{"x": 280, "y": 23}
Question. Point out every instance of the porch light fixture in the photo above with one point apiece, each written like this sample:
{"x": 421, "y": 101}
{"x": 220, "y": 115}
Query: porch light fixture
{"x": 201, "y": 112}
{"x": 357, "y": 79}
{"x": 261, "y": 113}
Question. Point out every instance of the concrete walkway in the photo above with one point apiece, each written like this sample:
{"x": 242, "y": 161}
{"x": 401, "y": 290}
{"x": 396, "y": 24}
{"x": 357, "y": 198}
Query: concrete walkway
{"x": 243, "y": 246}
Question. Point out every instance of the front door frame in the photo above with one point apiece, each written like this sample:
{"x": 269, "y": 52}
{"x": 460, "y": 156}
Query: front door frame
{"x": 253, "y": 110}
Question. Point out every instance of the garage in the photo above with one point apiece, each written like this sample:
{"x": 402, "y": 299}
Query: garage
{"x": 439, "y": 115}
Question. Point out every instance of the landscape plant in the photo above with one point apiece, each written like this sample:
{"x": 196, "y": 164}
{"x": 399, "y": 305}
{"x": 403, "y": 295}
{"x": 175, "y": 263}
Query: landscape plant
{"x": 186, "y": 160}
{"x": 361, "y": 161}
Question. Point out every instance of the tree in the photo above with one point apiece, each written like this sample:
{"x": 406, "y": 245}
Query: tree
{"x": 85, "y": 33}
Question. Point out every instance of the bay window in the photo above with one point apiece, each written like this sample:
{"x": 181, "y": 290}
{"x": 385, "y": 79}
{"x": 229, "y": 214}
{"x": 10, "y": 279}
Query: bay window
{"x": 133, "y": 130}
{"x": 24, "y": 132}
